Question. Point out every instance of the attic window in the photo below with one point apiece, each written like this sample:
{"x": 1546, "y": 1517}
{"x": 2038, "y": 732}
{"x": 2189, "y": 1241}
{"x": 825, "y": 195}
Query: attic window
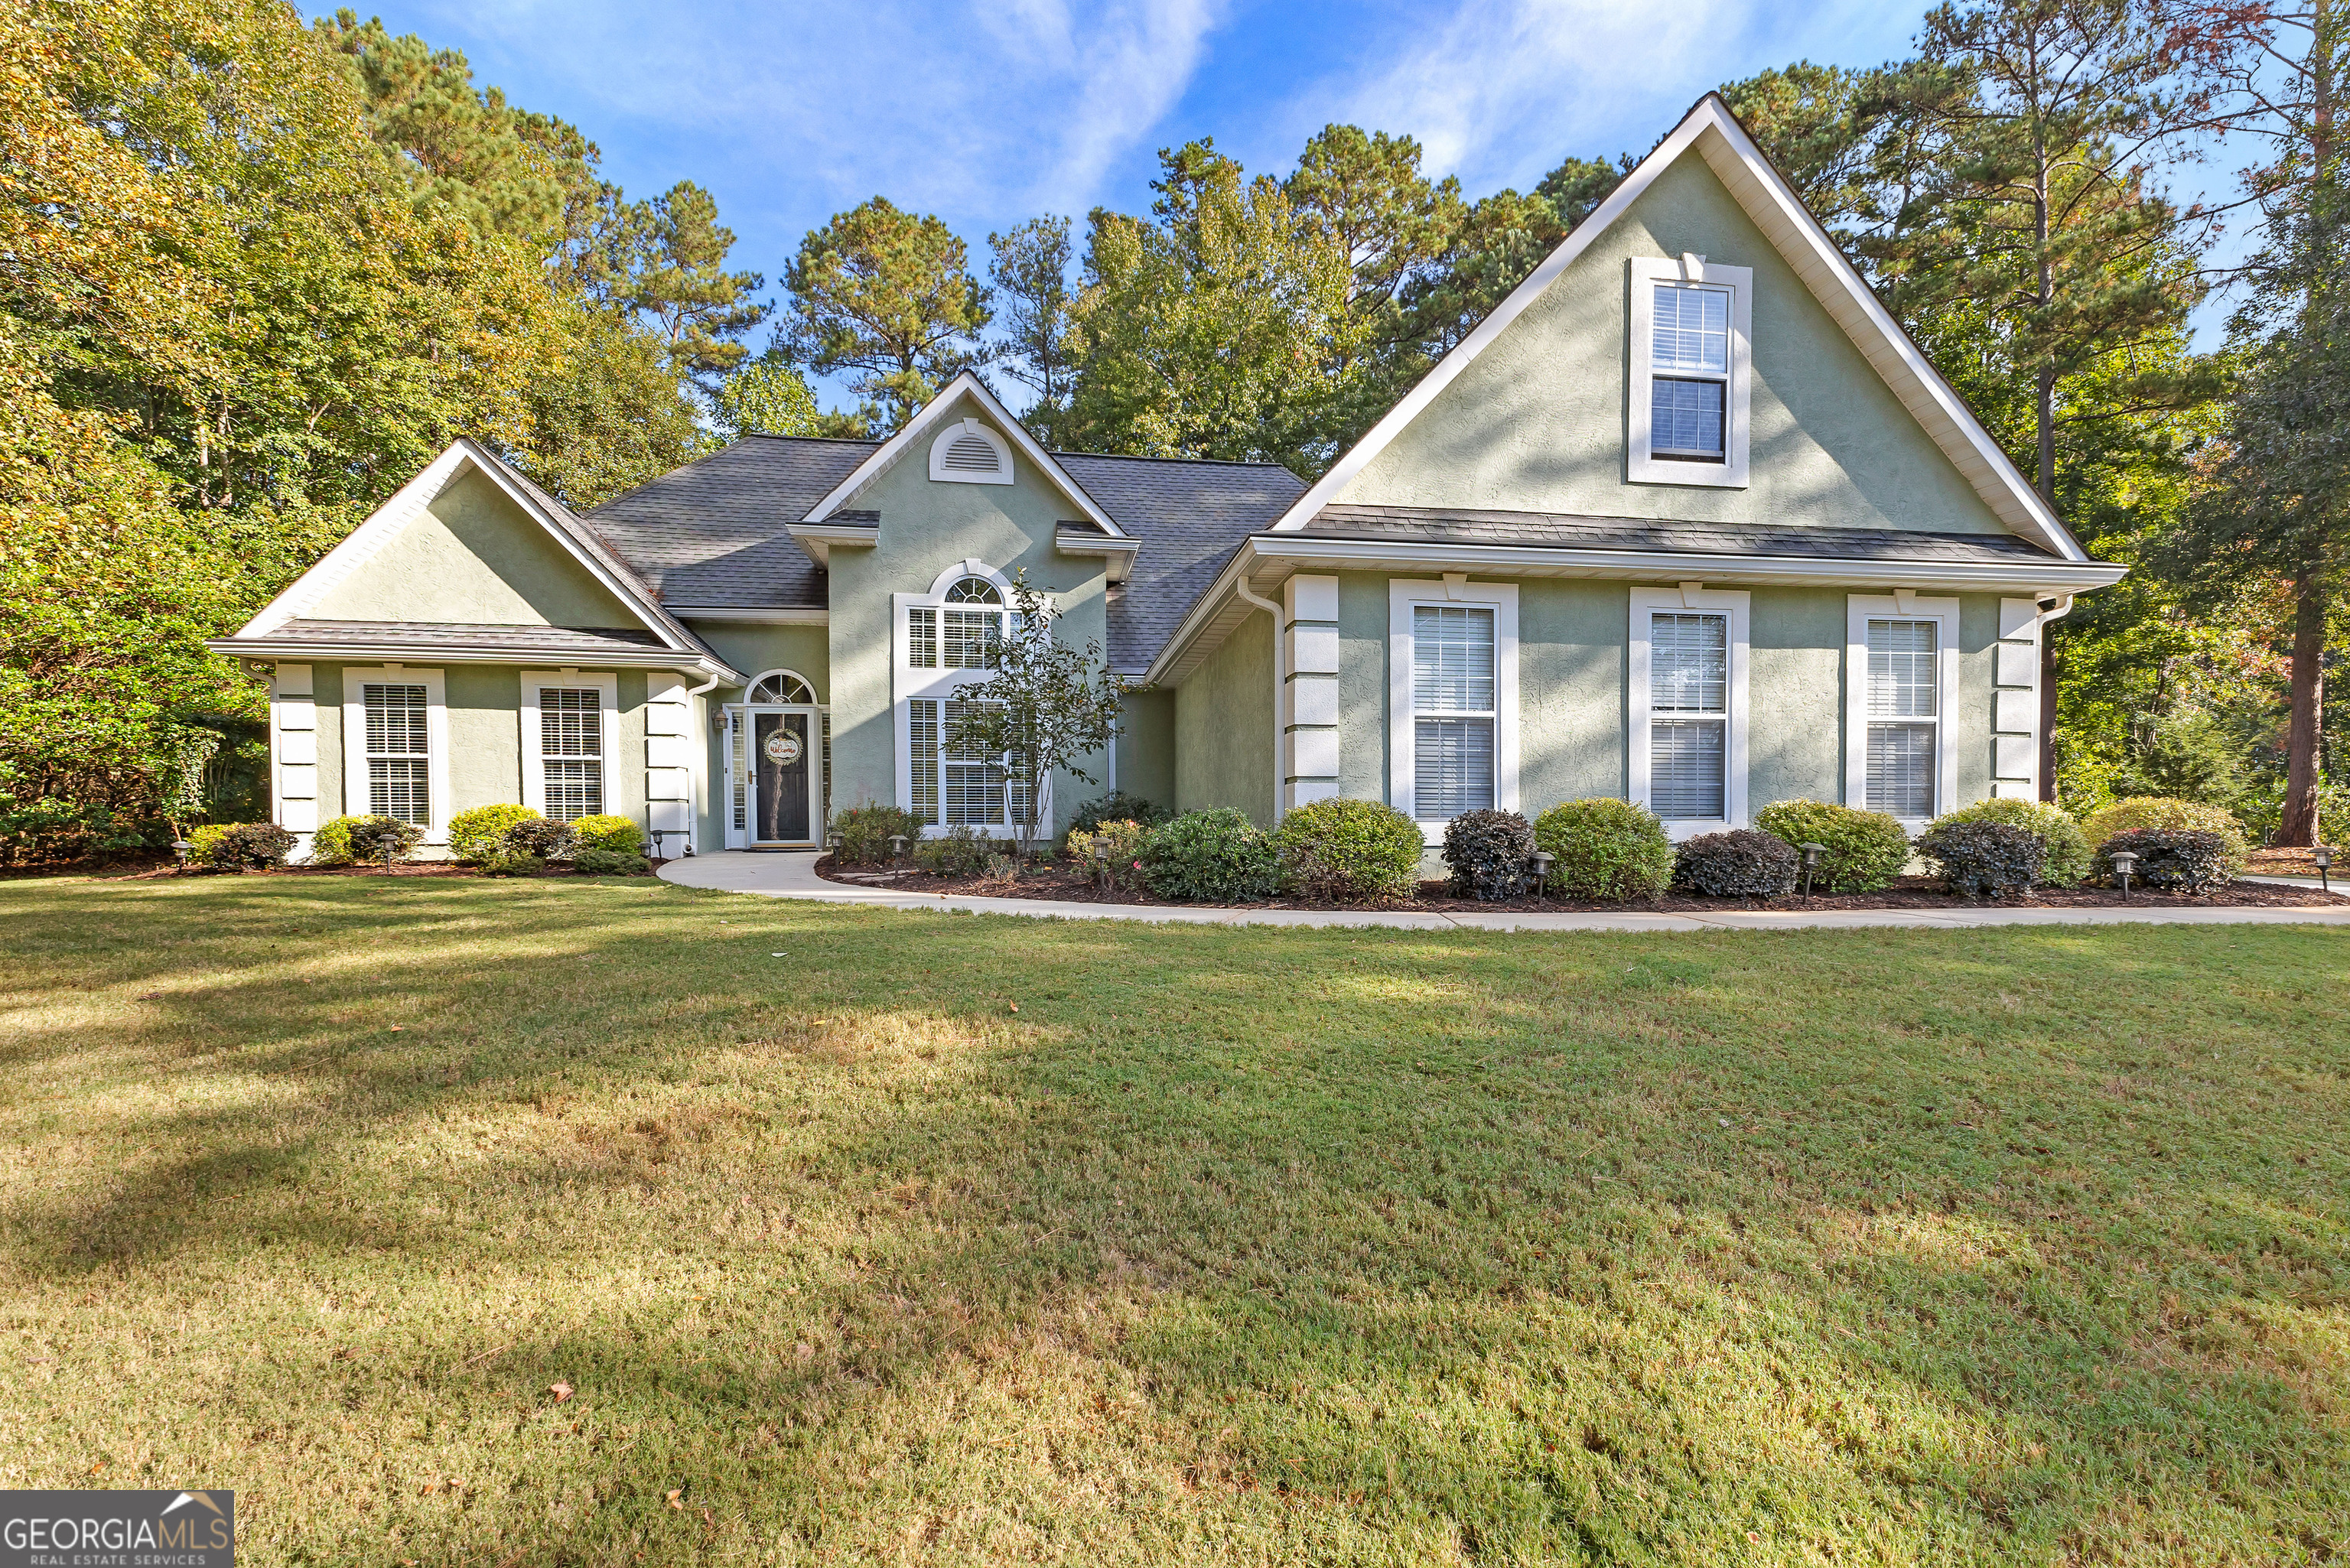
{"x": 1686, "y": 414}
{"x": 971, "y": 453}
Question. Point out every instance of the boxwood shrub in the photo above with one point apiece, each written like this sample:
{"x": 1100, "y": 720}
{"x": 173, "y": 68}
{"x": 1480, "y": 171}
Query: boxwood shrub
{"x": 512, "y": 863}
{"x": 1116, "y": 806}
{"x": 618, "y": 835}
{"x": 2068, "y": 849}
{"x": 959, "y": 852}
{"x": 475, "y": 835}
{"x": 2170, "y": 859}
{"x": 539, "y": 836}
{"x": 865, "y": 832}
{"x": 365, "y": 841}
{"x": 1741, "y": 864}
{"x": 2157, "y": 811}
{"x": 1349, "y": 849}
{"x": 1488, "y": 852}
{"x": 1214, "y": 856}
{"x": 611, "y": 863}
{"x": 1605, "y": 848}
{"x": 240, "y": 846}
{"x": 1984, "y": 859}
{"x": 1866, "y": 849}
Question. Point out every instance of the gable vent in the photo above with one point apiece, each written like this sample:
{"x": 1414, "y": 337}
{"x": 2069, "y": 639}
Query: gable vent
{"x": 970, "y": 453}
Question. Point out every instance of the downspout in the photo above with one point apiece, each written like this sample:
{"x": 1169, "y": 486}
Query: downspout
{"x": 693, "y": 814}
{"x": 2056, "y": 610}
{"x": 1248, "y": 595}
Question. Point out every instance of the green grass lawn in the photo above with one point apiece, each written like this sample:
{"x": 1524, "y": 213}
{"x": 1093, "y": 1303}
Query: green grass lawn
{"x": 1230, "y": 1246}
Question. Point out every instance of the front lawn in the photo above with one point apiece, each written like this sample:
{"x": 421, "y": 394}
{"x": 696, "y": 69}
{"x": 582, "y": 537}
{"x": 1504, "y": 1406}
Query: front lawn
{"x": 604, "y": 1222}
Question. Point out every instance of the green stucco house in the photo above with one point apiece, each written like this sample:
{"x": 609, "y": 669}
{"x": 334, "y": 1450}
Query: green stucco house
{"x": 1688, "y": 520}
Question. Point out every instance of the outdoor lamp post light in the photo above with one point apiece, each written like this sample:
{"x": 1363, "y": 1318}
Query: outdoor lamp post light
{"x": 1538, "y": 871}
{"x": 2324, "y": 858}
{"x": 832, "y": 842}
{"x": 2124, "y": 864}
{"x": 897, "y": 846}
{"x": 181, "y": 847}
{"x": 1811, "y": 854}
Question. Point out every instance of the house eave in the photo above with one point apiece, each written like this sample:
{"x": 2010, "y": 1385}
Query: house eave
{"x": 754, "y": 615}
{"x": 1116, "y": 554}
{"x": 275, "y": 648}
{"x": 818, "y": 538}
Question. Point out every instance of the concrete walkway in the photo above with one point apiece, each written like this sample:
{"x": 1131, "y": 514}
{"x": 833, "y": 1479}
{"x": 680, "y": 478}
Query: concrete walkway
{"x": 784, "y": 874}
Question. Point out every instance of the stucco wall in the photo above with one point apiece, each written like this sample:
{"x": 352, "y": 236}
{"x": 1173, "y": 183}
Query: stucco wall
{"x": 927, "y": 526}
{"x": 1146, "y": 747}
{"x": 1224, "y": 747}
{"x": 1795, "y": 695}
{"x": 1537, "y": 423}
{"x": 473, "y": 558}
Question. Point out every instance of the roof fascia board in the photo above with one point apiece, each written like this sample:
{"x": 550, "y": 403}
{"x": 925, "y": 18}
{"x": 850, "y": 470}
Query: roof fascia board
{"x": 818, "y": 538}
{"x": 758, "y": 615}
{"x": 1992, "y": 473}
{"x": 889, "y": 453}
{"x": 241, "y": 646}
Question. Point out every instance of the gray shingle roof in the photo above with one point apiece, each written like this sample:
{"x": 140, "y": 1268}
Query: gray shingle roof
{"x": 1189, "y": 517}
{"x": 1565, "y": 531}
{"x": 716, "y": 531}
{"x": 430, "y": 635}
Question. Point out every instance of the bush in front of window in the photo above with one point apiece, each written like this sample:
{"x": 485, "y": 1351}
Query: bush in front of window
{"x": 1866, "y": 849}
{"x": 240, "y": 846}
{"x": 512, "y": 863}
{"x": 1741, "y": 864}
{"x": 2069, "y": 856}
{"x": 1488, "y": 852}
{"x": 1213, "y": 856}
{"x": 1985, "y": 859}
{"x": 1605, "y": 849}
{"x": 539, "y": 836}
{"x": 1116, "y": 806}
{"x": 1122, "y": 866}
{"x": 611, "y": 863}
{"x": 2170, "y": 859}
{"x": 865, "y": 832}
{"x": 617, "y": 833}
{"x": 365, "y": 841}
{"x": 2156, "y": 811}
{"x": 475, "y": 835}
{"x": 1346, "y": 850}
{"x": 960, "y": 852}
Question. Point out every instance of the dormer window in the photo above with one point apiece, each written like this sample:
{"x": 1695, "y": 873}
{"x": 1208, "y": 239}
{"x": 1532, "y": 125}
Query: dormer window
{"x": 1686, "y": 421}
{"x": 968, "y": 452}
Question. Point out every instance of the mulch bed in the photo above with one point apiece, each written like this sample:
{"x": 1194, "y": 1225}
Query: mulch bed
{"x": 1068, "y": 885}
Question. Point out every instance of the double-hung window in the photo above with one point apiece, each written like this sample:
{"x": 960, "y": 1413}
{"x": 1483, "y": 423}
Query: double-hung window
{"x": 1453, "y": 709}
{"x": 1686, "y": 745}
{"x": 1688, "y": 398}
{"x": 1900, "y": 657}
{"x": 399, "y": 749}
{"x": 570, "y": 752}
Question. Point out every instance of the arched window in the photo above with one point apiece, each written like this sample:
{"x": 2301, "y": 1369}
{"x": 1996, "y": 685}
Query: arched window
{"x": 971, "y": 453}
{"x": 975, "y": 591}
{"x": 780, "y": 686}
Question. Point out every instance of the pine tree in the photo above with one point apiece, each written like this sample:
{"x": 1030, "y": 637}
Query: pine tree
{"x": 887, "y": 297}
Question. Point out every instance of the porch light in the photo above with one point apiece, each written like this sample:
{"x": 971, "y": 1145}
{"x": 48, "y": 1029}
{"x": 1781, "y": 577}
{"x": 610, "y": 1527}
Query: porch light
{"x": 182, "y": 848}
{"x": 2324, "y": 859}
{"x": 1538, "y": 871}
{"x": 2124, "y": 864}
{"x": 1813, "y": 855}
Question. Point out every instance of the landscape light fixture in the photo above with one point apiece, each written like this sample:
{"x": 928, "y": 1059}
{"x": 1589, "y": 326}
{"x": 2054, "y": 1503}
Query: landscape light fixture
{"x": 182, "y": 848}
{"x": 1538, "y": 871}
{"x": 1812, "y": 856}
{"x": 2318, "y": 853}
{"x": 2124, "y": 864}
{"x": 897, "y": 846}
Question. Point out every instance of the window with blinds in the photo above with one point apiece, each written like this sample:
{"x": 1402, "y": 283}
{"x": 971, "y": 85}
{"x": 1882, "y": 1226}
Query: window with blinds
{"x": 1904, "y": 716}
{"x": 571, "y": 751}
{"x": 398, "y": 753}
{"x": 1688, "y": 361}
{"x": 1689, "y": 715}
{"x": 1452, "y": 699}
{"x": 952, "y": 785}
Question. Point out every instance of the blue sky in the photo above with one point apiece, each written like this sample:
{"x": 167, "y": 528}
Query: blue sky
{"x": 988, "y": 113}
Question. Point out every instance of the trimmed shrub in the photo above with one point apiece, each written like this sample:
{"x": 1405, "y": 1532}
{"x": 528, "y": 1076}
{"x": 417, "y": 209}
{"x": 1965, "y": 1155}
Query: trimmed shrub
{"x": 1487, "y": 852}
{"x": 241, "y": 846}
{"x": 865, "y": 832}
{"x": 1213, "y": 856}
{"x": 474, "y": 836}
{"x": 1985, "y": 859}
{"x": 2184, "y": 859}
{"x": 1116, "y": 806}
{"x": 365, "y": 841}
{"x": 2069, "y": 858}
{"x": 1739, "y": 864}
{"x": 1866, "y": 849}
{"x": 539, "y": 836}
{"x": 512, "y": 863}
{"x": 618, "y": 834}
{"x": 1124, "y": 840}
{"x": 2146, "y": 811}
{"x": 961, "y": 853}
{"x": 611, "y": 863}
{"x": 1605, "y": 848}
{"x": 1349, "y": 849}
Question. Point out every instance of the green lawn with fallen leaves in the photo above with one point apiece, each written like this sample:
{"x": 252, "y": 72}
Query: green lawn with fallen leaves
{"x": 459, "y": 1221}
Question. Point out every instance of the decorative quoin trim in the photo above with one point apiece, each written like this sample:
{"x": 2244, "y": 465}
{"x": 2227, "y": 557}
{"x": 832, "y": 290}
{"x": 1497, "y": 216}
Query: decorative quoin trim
{"x": 1308, "y": 698}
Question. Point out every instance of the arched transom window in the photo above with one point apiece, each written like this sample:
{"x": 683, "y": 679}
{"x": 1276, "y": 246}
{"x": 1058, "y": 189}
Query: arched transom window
{"x": 780, "y": 686}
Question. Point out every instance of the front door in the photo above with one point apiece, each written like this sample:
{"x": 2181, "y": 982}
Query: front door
{"x": 782, "y": 779}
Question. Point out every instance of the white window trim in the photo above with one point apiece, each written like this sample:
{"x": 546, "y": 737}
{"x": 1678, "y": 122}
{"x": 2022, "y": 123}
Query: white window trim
{"x": 730, "y": 715}
{"x": 1859, "y": 610}
{"x": 436, "y": 739}
{"x": 907, "y": 682}
{"x": 607, "y": 697}
{"x": 955, "y": 432}
{"x": 1405, "y": 595}
{"x": 1639, "y": 468}
{"x": 1735, "y": 603}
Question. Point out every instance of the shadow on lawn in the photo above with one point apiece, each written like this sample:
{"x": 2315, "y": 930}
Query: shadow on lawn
{"x": 1416, "y": 1243}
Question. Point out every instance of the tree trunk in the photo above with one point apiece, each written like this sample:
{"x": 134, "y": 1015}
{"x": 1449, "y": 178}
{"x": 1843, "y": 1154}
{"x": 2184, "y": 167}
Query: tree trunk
{"x": 2298, "y": 824}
